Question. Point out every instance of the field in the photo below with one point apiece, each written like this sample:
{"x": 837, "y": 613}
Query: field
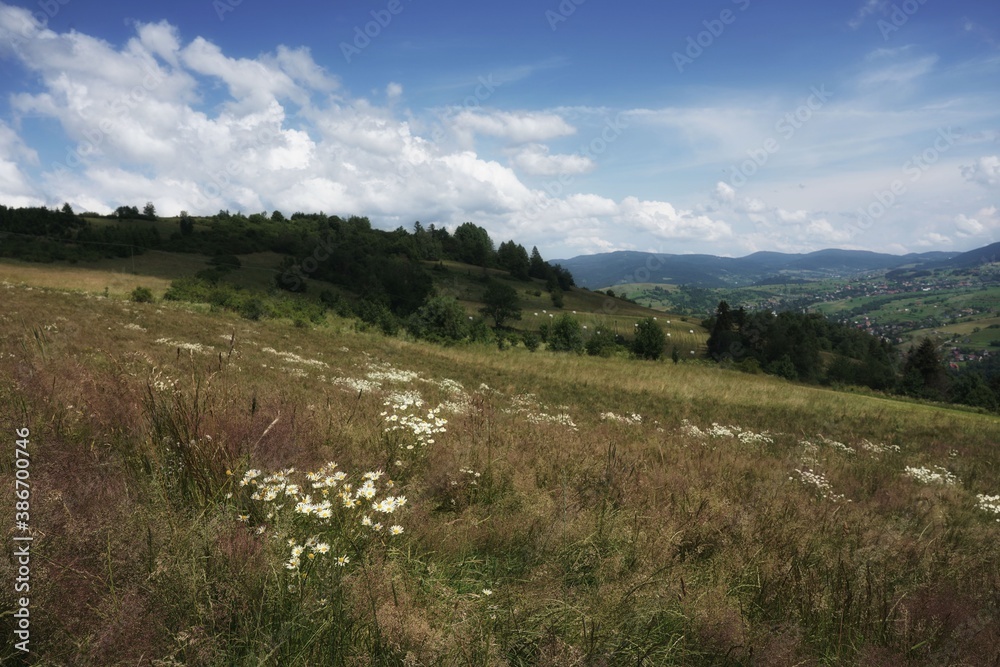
{"x": 559, "y": 509}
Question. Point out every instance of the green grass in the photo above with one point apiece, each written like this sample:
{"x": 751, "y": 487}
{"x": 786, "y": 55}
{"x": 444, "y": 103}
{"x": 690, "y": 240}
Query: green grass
{"x": 600, "y": 541}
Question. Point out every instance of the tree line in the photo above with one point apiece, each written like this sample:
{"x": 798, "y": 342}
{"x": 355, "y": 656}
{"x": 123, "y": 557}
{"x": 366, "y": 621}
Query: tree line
{"x": 808, "y": 347}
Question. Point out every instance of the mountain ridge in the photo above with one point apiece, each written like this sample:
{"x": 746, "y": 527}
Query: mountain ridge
{"x": 603, "y": 270}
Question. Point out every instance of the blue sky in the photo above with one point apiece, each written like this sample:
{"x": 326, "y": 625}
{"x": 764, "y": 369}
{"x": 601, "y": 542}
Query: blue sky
{"x": 722, "y": 127}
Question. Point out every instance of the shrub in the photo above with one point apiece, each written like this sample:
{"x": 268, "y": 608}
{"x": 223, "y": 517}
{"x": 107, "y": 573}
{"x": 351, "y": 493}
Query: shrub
{"x": 441, "y": 320}
{"x": 649, "y": 340}
{"x": 566, "y": 335}
{"x": 142, "y": 295}
{"x": 602, "y": 344}
{"x": 531, "y": 340}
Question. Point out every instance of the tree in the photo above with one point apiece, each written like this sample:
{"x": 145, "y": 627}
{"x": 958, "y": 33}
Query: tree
{"x": 649, "y": 340}
{"x": 514, "y": 258}
{"x": 126, "y": 212}
{"x": 474, "y": 245}
{"x": 500, "y": 303}
{"x": 277, "y": 216}
{"x": 723, "y": 335}
{"x": 923, "y": 372}
{"x": 67, "y": 209}
{"x": 149, "y": 211}
{"x": 537, "y": 268}
{"x": 186, "y": 224}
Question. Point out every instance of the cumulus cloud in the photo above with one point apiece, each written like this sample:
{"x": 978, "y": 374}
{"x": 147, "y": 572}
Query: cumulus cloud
{"x": 15, "y": 187}
{"x": 186, "y": 125}
{"x": 663, "y": 221}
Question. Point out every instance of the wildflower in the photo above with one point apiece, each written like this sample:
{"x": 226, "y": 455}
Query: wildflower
{"x": 321, "y": 548}
{"x": 396, "y": 530}
{"x": 487, "y": 592}
{"x": 243, "y": 517}
{"x": 343, "y": 560}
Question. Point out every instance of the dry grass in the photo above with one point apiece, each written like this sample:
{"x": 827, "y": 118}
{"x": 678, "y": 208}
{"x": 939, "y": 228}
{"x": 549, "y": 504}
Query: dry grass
{"x": 583, "y": 540}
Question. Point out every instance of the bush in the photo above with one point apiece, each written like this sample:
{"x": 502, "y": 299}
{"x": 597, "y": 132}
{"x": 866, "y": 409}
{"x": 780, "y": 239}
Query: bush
{"x": 142, "y": 295}
{"x": 531, "y": 340}
{"x": 649, "y": 340}
{"x": 441, "y": 320}
{"x": 566, "y": 335}
{"x": 602, "y": 344}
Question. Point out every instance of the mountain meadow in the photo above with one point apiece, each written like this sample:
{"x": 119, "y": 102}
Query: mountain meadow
{"x": 318, "y": 479}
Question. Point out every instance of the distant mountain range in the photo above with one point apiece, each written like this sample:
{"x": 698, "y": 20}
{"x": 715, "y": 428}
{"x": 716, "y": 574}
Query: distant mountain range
{"x": 617, "y": 268}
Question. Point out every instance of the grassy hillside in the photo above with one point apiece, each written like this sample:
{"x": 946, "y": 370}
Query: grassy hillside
{"x": 559, "y": 509}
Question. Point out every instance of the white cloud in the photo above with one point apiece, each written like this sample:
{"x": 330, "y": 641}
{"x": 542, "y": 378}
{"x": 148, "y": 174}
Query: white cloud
{"x": 899, "y": 74}
{"x": 663, "y": 221}
{"x": 933, "y": 240}
{"x": 967, "y": 226}
{"x": 535, "y": 160}
{"x": 984, "y": 171}
{"x": 517, "y": 128}
{"x": 15, "y": 187}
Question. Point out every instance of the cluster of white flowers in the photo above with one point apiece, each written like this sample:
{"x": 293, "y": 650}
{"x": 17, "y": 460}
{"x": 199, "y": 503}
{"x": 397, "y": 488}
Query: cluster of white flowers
{"x": 692, "y": 431}
{"x": 450, "y": 386}
{"x": 937, "y": 476}
{"x": 745, "y": 436}
{"x": 751, "y": 438}
{"x": 622, "y": 419}
{"x": 296, "y": 359}
{"x": 819, "y": 482}
{"x": 131, "y": 326}
{"x": 833, "y": 444}
{"x": 161, "y": 382}
{"x": 460, "y": 402}
{"x": 988, "y": 503}
{"x": 423, "y": 427}
{"x": 191, "y": 347}
{"x": 404, "y": 400}
{"x": 562, "y": 419}
{"x": 536, "y": 413}
{"x": 310, "y": 507}
{"x": 386, "y": 373}
{"x": 878, "y": 448}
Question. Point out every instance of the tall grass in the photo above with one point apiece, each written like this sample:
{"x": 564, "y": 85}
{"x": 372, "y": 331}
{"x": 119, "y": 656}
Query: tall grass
{"x": 539, "y": 530}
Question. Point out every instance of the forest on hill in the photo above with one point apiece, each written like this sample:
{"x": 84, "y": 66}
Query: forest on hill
{"x": 387, "y": 279}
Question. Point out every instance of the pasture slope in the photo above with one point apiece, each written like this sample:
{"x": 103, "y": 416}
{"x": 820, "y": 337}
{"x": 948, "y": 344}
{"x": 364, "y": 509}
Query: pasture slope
{"x": 486, "y": 507}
